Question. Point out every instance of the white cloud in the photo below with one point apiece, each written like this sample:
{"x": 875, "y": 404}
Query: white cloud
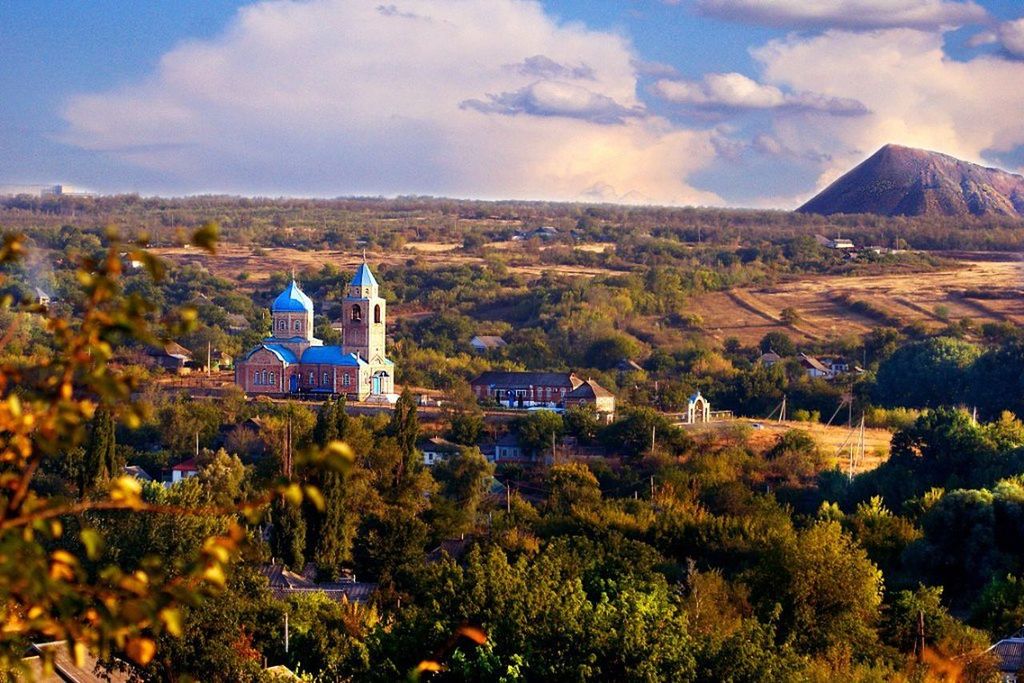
{"x": 733, "y": 91}
{"x": 1011, "y": 36}
{"x": 850, "y": 14}
{"x": 917, "y": 96}
{"x": 490, "y": 98}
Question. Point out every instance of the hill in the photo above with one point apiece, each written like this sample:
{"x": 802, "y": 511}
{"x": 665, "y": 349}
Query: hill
{"x": 901, "y": 181}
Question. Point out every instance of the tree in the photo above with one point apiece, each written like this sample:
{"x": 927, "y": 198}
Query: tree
{"x": 463, "y": 479}
{"x": 538, "y": 430}
{"x": 466, "y": 428}
{"x": 100, "y": 462}
{"x": 633, "y": 433}
{"x": 572, "y": 486}
{"x": 404, "y": 426}
{"x": 829, "y": 591}
{"x": 605, "y": 353}
{"x": 926, "y": 374}
{"x": 779, "y": 342}
{"x": 288, "y": 535}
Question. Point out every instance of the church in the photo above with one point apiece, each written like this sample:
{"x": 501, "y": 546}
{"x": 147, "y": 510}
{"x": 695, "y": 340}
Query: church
{"x": 292, "y": 361}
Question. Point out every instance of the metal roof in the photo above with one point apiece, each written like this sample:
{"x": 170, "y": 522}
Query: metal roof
{"x": 363, "y": 277}
{"x": 589, "y": 389}
{"x": 283, "y": 353}
{"x": 292, "y": 300}
{"x": 331, "y": 355}
{"x": 1010, "y": 652}
{"x": 522, "y": 380}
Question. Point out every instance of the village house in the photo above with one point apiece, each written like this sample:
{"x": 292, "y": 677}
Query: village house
{"x": 487, "y": 342}
{"x": 170, "y": 356}
{"x": 1009, "y": 653}
{"x": 509, "y": 449}
{"x": 542, "y": 389}
{"x": 769, "y": 359}
{"x": 814, "y": 367}
{"x": 590, "y": 393}
{"x": 293, "y": 361}
{"x": 436, "y": 449}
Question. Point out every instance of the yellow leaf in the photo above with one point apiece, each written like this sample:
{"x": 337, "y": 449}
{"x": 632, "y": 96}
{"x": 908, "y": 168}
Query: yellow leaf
{"x": 338, "y": 456}
{"x": 206, "y": 236}
{"x": 315, "y": 497}
{"x": 126, "y": 490}
{"x": 473, "y": 633}
{"x": 93, "y": 542}
{"x": 64, "y": 557}
{"x": 141, "y": 650}
{"x": 428, "y": 665}
{"x": 215, "y": 574}
{"x": 78, "y": 650}
{"x": 171, "y": 618}
{"x": 293, "y": 494}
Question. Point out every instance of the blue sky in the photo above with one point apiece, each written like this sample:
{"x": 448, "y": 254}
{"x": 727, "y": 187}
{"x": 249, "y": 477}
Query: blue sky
{"x": 725, "y": 102}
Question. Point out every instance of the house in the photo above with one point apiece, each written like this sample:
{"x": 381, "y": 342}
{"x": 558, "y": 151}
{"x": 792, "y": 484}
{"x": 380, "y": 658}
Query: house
{"x": 42, "y": 298}
{"x": 838, "y": 243}
{"x": 65, "y": 670}
{"x": 1009, "y": 653}
{"x": 137, "y": 472}
{"x": 454, "y": 548}
{"x": 184, "y": 470}
{"x": 769, "y": 359}
{"x": 170, "y": 356}
{"x": 283, "y": 583}
{"x": 544, "y": 232}
{"x": 525, "y": 389}
{"x": 508, "y": 449}
{"x": 436, "y": 449}
{"x": 627, "y": 365}
{"x": 593, "y": 394}
{"x": 814, "y": 367}
{"x": 837, "y": 366}
{"x": 293, "y": 361}
{"x": 485, "y": 343}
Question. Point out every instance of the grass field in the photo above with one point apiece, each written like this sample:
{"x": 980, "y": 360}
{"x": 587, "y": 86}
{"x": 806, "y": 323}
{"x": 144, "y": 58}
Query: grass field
{"x": 834, "y": 306}
{"x": 834, "y": 441}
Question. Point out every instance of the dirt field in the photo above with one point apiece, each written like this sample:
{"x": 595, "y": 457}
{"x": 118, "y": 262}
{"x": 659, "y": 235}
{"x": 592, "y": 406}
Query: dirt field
{"x": 232, "y": 259}
{"x": 929, "y": 297}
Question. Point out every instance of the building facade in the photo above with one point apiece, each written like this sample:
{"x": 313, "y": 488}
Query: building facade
{"x": 292, "y": 361}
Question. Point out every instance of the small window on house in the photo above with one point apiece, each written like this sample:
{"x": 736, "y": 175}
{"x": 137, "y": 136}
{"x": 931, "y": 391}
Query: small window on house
{"x": 357, "y": 313}
{"x": 376, "y": 313}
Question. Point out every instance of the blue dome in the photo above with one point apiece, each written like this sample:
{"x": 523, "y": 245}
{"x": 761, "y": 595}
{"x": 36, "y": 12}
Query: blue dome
{"x": 363, "y": 277}
{"x": 292, "y": 300}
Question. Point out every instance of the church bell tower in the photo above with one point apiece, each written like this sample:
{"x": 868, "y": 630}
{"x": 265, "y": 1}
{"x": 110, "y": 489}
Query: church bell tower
{"x": 363, "y": 321}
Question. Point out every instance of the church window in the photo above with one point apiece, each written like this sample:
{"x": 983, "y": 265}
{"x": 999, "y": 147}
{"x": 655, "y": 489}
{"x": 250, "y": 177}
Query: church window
{"x": 298, "y": 325}
{"x": 346, "y": 380}
{"x": 271, "y": 378}
{"x": 264, "y": 377}
{"x": 357, "y": 313}
{"x": 312, "y": 378}
{"x": 376, "y": 313}
{"x": 326, "y": 380}
{"x": 256, "y": 377}
{"x": 282, "y": 324}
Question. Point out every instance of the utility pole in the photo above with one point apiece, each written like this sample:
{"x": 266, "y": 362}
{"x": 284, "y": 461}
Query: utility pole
{"x": 286, "y": 632}
{"x": 197, "y": 444}
{"x": 508, "y": 499}
{"x": 654, "y": 430}
{"x": 652, "y": 488}
{"x": 209, "y": 368}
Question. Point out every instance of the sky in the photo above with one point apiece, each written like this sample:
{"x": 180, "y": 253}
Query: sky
{"x": 755, "y": 103}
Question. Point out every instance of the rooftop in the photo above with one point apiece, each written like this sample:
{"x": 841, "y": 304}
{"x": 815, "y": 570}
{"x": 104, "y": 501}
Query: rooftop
{"x": 292, "y": 300}
{"x": 363, "y": 277}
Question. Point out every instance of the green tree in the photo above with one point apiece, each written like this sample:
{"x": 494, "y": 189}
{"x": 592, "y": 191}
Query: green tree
{"x": 539, "y": 429}
{"x": 288, "y": 535}
{"x": 100, "y": 462}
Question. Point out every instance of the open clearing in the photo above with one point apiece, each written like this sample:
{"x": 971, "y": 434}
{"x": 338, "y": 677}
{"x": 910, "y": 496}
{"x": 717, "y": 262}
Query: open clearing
{"x": 825, "y": 303}
{"x": 834, "y": 441}
{"x": 233, "y": 259}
